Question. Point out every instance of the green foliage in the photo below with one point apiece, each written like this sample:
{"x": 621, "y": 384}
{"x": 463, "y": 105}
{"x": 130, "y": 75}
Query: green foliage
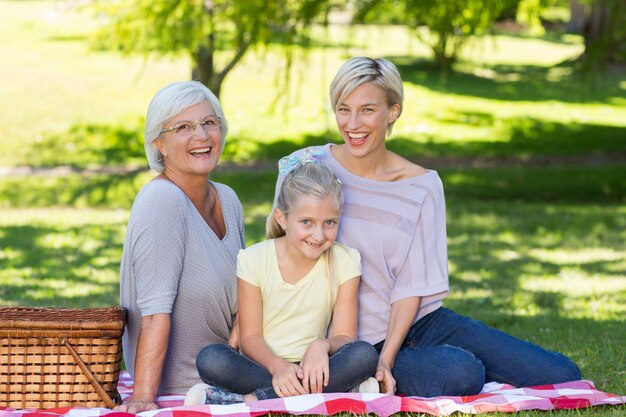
{"x": 504, "y": 99}
{"x": 215, "y": 34}
{"x": 450, "y": 23}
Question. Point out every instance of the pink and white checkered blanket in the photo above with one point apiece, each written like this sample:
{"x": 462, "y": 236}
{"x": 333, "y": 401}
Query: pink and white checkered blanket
{"x": 494, "y": 397}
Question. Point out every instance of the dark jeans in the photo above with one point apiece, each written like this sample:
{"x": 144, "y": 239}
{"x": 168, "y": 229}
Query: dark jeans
{"x": 223, "y": 366}
{"x": 445, "y": 353}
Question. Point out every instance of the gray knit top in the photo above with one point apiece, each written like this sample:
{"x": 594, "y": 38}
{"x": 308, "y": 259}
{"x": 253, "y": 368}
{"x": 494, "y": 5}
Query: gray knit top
{"x": 174, "y": 263}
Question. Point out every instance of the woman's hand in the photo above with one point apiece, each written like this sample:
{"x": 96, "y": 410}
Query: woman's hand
{"x": 385, "y": 378}
{"x": 315, "y": 366}
{"x": 137, "y": 405}
{"x": 286, "y": 379}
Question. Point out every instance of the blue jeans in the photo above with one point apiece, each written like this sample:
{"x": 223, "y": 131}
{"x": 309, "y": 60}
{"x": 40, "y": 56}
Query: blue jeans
{"x": 445, "y": 353}
{"x": 223, "y": 366}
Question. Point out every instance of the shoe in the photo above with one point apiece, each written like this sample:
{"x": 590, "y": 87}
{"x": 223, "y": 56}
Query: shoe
{"x": 370, "y": 385}
{"x": 207, "y": 394}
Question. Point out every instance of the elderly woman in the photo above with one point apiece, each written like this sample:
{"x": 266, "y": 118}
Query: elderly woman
{"x": 178, "y": 270}
{"x": 394, "y": 214}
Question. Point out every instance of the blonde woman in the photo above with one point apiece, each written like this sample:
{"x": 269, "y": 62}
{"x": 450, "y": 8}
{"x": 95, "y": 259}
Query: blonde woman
{"x": 394, "y": 215}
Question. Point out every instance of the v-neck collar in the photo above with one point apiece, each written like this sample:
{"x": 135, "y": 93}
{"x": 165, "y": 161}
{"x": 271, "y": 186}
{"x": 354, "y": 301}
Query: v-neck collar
{"x": 302, "y": 280}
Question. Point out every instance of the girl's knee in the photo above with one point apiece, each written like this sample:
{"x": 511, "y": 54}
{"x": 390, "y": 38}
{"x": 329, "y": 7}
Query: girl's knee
{"x": 362, "y": 356}
{"x": 209, "y": 361}
{"x": 366, "y": 351}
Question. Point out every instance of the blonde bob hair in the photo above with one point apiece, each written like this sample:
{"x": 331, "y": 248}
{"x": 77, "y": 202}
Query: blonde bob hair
{"x": 307, "y": 180}
{"x": 360, "y": 70}
{"x": 170, "y": 101}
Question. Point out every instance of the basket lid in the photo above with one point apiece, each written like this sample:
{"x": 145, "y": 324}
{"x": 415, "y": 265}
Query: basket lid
{"x": 62, "y": 318}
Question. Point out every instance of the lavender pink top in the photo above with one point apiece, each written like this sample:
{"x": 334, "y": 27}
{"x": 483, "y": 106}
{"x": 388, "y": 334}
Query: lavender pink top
{"x": 400, "y": 230}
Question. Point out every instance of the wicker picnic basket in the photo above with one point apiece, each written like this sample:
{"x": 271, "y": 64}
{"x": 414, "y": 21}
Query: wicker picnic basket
{"x": 60, "y": 357}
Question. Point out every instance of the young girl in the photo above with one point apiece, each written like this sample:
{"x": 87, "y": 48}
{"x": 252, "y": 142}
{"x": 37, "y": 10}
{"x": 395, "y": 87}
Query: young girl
{"x": 291, "y": 287}
{"x": 395, "y": 215}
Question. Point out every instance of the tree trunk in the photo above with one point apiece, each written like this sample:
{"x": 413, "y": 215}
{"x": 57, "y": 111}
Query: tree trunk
{"x": 576, "y": 22}
{"x": 444, "y": 58}
{"x": 204, "y": 70}
{"x": 604, "y": 38}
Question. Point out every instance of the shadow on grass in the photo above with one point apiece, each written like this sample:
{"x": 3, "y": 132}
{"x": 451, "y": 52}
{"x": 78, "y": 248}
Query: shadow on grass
{"x": 61, "y": 266}
{"x": 596, "y": 184}
{"x": 539, "y": 184}
{"x": 511, "y": 82}
{"x": 536, "y": 270}
{"x": 75, "y": 190}
{"x": 90, "y": 144}
{"x": 493, "y": 251}
{"x": 522, "y": 139}
{"x": 246, "y": 150}
{"x": 556, "y": 35}
{"x": 77, "y": 266}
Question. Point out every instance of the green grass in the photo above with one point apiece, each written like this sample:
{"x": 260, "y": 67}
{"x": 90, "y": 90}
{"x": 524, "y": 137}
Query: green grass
{"x": 60, "y": 257}
{"x": 530, "y": 153}
{"x": 71, "y": 105}
{"x": 550, "y": 273}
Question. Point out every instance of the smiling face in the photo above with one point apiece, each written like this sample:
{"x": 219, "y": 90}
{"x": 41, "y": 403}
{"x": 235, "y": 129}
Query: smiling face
{"x": 363, "y": 119}
{"x": 196, "y": 153}
{"x": 311, "y": 226}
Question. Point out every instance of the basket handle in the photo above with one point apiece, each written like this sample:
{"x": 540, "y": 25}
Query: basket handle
{"x": 90, "y": 377}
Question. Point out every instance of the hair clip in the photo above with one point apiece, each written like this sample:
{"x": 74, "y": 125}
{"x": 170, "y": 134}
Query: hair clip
{"x": 291, "y": 162}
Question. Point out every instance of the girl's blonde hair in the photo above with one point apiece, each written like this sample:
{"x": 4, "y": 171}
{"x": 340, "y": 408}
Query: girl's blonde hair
{"x": 307, "y": 180}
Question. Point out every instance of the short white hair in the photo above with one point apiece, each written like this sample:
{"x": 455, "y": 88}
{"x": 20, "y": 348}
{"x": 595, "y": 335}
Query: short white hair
{"x": 170, "y": 101}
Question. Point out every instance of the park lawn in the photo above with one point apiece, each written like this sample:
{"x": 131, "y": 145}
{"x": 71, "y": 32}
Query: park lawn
{"x": 536, "y": 249}
{"x": 550, "y": 272}
{"x": 72, "y": 105}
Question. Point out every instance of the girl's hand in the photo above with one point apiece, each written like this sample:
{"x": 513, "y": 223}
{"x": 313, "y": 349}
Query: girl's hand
{"x": 315, "y": 366}
{"x": 384, "y": 376}
{"x": 286, "y": 380}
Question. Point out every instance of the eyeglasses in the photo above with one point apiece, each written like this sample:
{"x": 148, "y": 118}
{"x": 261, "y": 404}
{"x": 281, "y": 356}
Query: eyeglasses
{"x": 209, "y": 124}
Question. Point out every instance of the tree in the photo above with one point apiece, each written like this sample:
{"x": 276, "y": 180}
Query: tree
{"x": 450, "y": 22}
{"x": 605, "y": 35}
{"x": 215, "y": 33}
{"x": 577, "y": 19}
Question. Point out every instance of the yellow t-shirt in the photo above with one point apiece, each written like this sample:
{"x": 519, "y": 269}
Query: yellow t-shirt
{"x": 295, "y": 314}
